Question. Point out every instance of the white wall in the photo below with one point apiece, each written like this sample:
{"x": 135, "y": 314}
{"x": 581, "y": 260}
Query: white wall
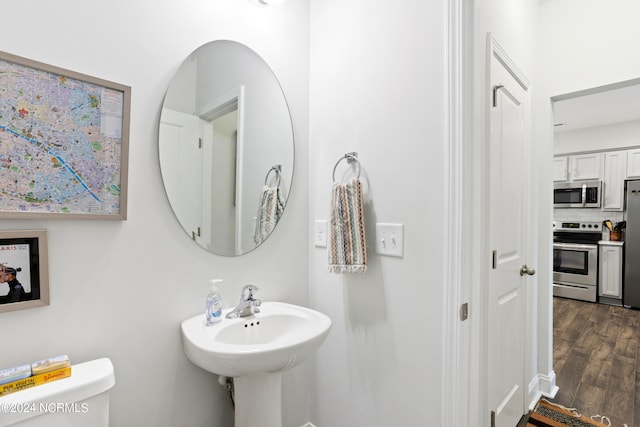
{"x": 587, "y": 43}
{"x": 120, "y": 289}
{"x": 378, "y": 87}
{"x": 598, "y": 138}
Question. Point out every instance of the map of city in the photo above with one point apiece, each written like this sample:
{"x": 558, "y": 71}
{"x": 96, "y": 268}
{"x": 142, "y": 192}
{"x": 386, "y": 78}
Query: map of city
{"x": 60, "y": 143}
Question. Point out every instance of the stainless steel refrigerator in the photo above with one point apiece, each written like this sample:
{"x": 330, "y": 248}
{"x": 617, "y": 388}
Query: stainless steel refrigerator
{"x": 631, "y": 284}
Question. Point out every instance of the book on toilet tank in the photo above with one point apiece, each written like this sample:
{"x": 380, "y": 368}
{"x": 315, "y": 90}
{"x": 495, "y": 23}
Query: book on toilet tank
{"x": 14, "y": 374}
{"x": 35, "y": 380}
{"x": 50, "y": 364}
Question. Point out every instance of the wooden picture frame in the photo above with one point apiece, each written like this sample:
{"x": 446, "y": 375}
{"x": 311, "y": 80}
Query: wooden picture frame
{"x": 24, "y": 262}
{"x": 64, "y": 143}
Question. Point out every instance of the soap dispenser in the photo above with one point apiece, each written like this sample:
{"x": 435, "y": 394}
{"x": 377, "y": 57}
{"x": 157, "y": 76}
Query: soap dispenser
{"x": 213, "y": 305}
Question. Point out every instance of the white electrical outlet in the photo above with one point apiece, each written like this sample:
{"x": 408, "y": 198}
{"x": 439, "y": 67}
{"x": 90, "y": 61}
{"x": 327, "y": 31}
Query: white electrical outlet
{"x": 390, "y": 239}
{"x": 320, "y": 233}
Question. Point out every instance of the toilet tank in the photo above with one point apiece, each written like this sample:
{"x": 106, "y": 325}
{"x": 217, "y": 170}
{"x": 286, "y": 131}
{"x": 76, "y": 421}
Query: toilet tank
{"x": 81, "y": 400}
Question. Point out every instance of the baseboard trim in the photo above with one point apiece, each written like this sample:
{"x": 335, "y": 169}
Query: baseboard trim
{"x": 548, "y": 386}
{"x": 533, "y": 393}
{"x": 542, "y": 386}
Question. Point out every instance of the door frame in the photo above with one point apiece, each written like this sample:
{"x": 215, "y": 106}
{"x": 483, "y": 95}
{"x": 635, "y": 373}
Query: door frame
{"x": 464, "y": 350}
{"x": 458, "y": 380}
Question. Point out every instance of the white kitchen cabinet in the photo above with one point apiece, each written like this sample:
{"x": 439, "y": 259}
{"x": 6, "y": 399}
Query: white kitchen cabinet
{"x": 585, "y": 167}
{"x": 615, "y": 172}
{"x": 560, "y": 169}
{"x": 610, "y": 275}
{"x": 633, "y": 163}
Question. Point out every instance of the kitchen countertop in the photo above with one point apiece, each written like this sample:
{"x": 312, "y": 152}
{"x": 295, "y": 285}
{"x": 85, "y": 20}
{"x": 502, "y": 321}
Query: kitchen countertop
{"x": 611, "y": 242}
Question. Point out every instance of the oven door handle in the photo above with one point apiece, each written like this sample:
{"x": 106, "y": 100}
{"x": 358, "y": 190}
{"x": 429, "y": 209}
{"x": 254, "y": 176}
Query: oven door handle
{"x": 575, "y": 246}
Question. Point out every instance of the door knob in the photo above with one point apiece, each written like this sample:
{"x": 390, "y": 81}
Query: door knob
{"x": 527, "y": 270}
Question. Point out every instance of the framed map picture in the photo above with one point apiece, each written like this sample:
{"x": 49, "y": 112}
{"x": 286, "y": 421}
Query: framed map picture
{"x": 24, "y": 270}
{"x": 64, "y": 143}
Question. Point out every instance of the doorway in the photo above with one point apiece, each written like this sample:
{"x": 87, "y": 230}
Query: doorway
{"x": 594, "y": 351}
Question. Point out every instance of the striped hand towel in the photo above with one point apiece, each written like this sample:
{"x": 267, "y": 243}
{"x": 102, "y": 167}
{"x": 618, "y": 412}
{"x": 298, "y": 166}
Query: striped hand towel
{"x": 270, "y": 208}
{"x": 347, "y": 244}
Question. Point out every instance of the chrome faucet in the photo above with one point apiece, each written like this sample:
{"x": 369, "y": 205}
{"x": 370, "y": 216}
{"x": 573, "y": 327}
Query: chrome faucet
{"x": 248, "y": 305}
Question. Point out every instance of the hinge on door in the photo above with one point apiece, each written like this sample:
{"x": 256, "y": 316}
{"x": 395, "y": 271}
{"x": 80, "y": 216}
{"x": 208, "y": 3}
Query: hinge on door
{"x": 194, "y": 234}
{"x": 199, "y": 142}
{"x": 495, "y": 94}
{"x": 464, "y": 311}
{"x": 493, "y": 418}
{"x": 494, "y": 259}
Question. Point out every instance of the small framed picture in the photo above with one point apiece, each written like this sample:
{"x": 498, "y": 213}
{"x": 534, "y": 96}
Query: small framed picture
{"x": 24, "y": 269}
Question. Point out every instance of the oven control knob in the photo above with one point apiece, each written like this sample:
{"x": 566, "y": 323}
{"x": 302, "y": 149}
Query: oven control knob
{"x": 527, "y": 270}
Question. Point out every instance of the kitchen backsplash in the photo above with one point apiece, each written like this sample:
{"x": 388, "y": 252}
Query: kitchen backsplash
{"x": 591, "y": 215}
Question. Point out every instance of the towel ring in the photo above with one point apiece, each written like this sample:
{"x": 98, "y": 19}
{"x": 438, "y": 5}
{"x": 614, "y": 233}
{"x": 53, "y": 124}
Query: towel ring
{"x": 278, "y": 171}
{"x": 351, "y": 157}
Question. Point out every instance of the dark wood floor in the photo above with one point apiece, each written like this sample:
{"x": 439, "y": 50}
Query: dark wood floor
{"x": 596, "y": 354}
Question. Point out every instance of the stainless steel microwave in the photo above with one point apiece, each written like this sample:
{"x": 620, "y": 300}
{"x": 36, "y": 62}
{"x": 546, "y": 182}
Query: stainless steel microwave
{"x": 585, "y": 194}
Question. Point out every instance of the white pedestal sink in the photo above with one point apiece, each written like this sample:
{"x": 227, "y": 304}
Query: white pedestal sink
{"x": 254, "y": 351}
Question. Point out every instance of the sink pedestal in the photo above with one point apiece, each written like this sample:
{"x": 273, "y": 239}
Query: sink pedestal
{"x": 258, "y": 400}
{"x": 254, "y": 351}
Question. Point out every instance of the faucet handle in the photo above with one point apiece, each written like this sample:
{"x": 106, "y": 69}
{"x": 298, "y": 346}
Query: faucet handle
{"x": 248, "y": 290}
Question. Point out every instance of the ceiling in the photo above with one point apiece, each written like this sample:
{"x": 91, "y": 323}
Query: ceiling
{"x": 597, "y": 107}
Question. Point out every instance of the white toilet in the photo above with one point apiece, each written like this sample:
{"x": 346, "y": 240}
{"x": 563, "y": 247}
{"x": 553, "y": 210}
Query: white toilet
{"x": 81, "y": 400}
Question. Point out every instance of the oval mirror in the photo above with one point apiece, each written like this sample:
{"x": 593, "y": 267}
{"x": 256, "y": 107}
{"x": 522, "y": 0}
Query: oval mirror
{"x": 226, "y": 148}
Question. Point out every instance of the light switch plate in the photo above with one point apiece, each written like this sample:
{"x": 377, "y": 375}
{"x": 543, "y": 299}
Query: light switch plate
{"x": 390, "y": 239}
{"x": 320, "y": 233}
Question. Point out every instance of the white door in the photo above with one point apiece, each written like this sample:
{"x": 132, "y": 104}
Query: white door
{"x": 181, "y": 165}
{"x": 509, "y": 185}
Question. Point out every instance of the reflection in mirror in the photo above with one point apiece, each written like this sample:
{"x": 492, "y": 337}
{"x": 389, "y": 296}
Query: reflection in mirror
{"x": 226, "y": 148}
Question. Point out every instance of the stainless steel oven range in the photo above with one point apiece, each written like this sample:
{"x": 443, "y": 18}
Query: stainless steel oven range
{"x": 575, "y": 259}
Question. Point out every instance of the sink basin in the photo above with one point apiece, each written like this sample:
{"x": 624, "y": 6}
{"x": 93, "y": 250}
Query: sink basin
{"x": 279, "y": 337}
{"x": 254, "y": 351}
